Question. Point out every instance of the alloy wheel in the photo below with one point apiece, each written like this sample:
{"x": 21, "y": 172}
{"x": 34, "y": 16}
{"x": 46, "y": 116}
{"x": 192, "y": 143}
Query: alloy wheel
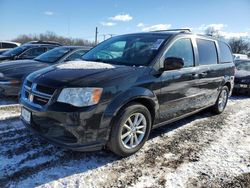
{"x": 133, "y": 130}
{"x": 222, "y": 100}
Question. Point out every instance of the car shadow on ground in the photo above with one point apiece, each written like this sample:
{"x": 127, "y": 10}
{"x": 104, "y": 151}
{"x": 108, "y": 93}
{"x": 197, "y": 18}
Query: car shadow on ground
{"x": 33, "y": 161}
{"x": 8, "y": 100}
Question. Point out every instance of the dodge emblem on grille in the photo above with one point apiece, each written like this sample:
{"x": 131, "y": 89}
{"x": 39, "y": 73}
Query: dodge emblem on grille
{"x": 31, "y": 97}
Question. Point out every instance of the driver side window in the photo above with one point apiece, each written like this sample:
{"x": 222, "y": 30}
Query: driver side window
{"x": 182, "y": 48}
{"x": 32, "y": 53}
{"x": 77, "y": 55}
{"x": 113, "y": 51}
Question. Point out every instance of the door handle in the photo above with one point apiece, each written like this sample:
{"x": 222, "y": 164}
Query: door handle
{"x": 203, "y": 74}
{"x": 195, "y": 76}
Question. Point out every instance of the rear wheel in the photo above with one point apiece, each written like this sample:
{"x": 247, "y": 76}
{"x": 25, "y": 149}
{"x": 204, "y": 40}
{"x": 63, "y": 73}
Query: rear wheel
{"x": 130, "y": 130}
{"x": 221, "y": 102}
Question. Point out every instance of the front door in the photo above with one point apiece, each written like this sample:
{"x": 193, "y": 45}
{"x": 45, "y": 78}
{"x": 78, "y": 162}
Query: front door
{"x": 180, "y": 90}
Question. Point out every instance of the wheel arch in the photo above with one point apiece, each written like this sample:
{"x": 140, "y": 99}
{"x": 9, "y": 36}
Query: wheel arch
{"x": 143, "y": 96}
{"x": 228, "y": 84}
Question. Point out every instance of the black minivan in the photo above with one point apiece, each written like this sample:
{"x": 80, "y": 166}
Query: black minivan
{"x": 126, "y": 86}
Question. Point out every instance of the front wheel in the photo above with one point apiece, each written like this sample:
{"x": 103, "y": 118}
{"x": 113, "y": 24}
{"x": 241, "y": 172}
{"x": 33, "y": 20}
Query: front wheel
{"x": 130, "y": 130}
{"x": 221, "y": 102}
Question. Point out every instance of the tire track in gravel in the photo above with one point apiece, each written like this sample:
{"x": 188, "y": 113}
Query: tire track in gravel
{"x": 10, "y": 124}
{"x": 30, "y": 154}
{"x": 23, "y": 152}
{"x": 61, "y": 158}
{"x": 241, "y": 181}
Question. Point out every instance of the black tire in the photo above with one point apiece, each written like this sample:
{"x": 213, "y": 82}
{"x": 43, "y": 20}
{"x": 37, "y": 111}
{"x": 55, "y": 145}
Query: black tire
{"x": 115, "y": 143}
{"x": 217, "y": 109}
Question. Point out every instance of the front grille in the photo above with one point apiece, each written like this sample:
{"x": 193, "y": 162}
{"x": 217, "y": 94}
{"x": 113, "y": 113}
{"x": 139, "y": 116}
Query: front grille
{"x": 39, "y": 100}
{"x": 45, "y": 89}
{"x": 37, "y": 94}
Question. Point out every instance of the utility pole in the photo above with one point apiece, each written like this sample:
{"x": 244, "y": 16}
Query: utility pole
{"x": 104, "y": 37}
{"x": 96, "y": 33}
{"x": 108, "y": 35}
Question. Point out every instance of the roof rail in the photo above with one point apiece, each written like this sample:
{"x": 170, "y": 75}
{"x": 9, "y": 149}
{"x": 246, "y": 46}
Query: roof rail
{"x": 180, "y": 30}
{"x": 44, "y": 42}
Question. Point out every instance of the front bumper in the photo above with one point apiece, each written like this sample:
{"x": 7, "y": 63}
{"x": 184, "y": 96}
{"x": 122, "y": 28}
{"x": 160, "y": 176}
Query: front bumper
{"x": 78, "y": 131}
{"x": 8, "y": 89}
{"x": 243, "y": 89}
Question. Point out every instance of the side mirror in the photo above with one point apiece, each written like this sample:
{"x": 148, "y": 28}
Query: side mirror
{"x": 173, "y": 63}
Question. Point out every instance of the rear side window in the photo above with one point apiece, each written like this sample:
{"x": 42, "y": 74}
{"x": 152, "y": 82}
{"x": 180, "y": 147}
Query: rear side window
{"x": 8, "y": 45}
{"x": 207, "y": 52}
{"x": 32, "y": 53}
{"x": 225, "y": 53}
{"x": 182, "y": 48}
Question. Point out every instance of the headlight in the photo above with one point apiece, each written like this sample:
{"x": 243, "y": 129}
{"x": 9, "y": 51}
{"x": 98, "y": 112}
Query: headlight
{"x": 80, "y": 96}
{"x": 1, "y": 75}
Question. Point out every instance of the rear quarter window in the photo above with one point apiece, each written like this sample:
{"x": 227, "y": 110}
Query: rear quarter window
{"x": 225, "y": 53}
{"x": 207, "y": 52}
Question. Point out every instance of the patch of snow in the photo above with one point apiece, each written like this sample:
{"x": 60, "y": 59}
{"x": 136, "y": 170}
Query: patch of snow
{"x": 85, "y": 65}
{"x": 9, "y": 111}
{"x": 227, "y": 154}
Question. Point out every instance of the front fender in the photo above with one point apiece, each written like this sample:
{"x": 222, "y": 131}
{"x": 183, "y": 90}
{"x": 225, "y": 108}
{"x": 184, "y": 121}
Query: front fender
{"x": 122, "y": 99}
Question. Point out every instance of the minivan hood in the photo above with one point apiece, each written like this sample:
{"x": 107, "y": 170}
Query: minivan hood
{"x": 80, "y": 73}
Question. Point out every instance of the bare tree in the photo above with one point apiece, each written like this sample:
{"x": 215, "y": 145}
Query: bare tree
{"x": 239, "y": 45}
{"x": 51, "y": 36}
{"x": 211, "y": 31}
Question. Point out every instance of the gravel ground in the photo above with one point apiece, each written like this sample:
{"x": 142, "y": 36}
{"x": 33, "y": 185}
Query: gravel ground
{"x": 200, "y": 151}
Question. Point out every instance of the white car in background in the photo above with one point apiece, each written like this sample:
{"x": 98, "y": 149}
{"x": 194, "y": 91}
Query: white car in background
{"x": 6, "y": 45}
{"x": 240, "y": 56}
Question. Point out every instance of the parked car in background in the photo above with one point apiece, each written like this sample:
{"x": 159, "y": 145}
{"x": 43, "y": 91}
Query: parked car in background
{"x": 242, "y": 77}
{"x": 26, "y": 51}
{"x": 240, "y": 56}
{"x": 2, "y": 51}
{"x": 126, "y": 86}
{"x": 12, "y": 73}
{"x": 6, "y": 45}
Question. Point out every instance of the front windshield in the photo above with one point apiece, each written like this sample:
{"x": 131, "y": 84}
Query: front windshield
{"x": 131, "y": 50}
{"x": 15, "y": 51}
{"x": 243, "y": 65}
{"x": 53, "y": 55}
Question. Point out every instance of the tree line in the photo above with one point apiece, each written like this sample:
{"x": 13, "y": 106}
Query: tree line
{"x": 238, "y": 45}
{"x": 51, "y": 36}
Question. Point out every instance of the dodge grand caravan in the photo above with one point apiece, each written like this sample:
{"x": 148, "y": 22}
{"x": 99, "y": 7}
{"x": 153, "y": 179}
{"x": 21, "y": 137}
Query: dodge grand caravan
{"x": 125, "y": 87}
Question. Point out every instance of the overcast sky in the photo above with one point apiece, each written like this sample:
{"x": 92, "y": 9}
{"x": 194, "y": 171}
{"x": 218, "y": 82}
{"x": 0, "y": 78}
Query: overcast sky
{"x": 78, "y": 18}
